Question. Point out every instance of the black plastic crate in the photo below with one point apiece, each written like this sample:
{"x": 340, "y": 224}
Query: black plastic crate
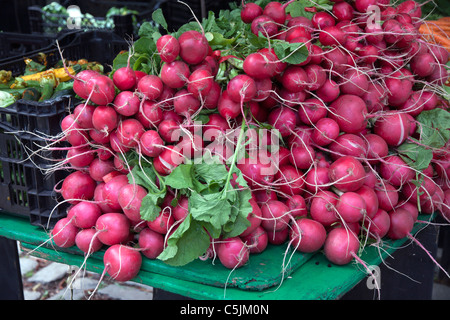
{"x": 41, "y": 118}
{"x": 26, "y": 189}
{"x": 13, "y": 44}
{"x": 122, "y": 25}
{"x": 100, "y": 46}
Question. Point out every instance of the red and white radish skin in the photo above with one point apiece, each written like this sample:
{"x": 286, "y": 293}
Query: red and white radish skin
{"x": 307, "y": 235}
{"x": 78, "y": 186}
{"x": 340, "y": 246}
{"x": 233, "y": 253}
{"x": 151, "y": 242}
{"x": 113, "y": 228}
{"x": 84, "y": 214}
{"x": 122, "y": 262}
{"x": 130, "y": 198}
{"x": 64, "y": 233}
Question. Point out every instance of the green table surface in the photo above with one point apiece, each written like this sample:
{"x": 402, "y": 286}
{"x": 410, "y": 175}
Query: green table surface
{"x": 306, "y": 276}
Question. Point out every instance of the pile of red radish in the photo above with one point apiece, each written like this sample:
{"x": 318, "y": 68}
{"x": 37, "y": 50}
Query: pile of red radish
{"x": 342, "y": 114}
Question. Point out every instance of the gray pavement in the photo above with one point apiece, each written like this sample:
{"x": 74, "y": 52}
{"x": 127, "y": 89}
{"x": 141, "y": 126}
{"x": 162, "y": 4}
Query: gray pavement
{"x": 45, "y": 280}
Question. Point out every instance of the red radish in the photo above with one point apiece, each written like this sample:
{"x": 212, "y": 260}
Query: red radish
{"x": 295, "y": 78}
{"x": 126, "y": 103}
{"x": 348, "y": 144}
{"x": 83, "y": 115}
{"x": 211, "y": 100}
{"x": 260, "y": 65}
{"x": 302, "y": 156}
{"x": 378, "y": 225}
{"x": 100, "y": 168}
{"x": 307, "y": 235}
{"x": 113, "y": 228}
{"x": 150, "y": 114}
{"x": 394, "y": 128}
{"x": 377, "y": 148}
{"x": 395, "y": 170}
{"x": 78, "y": 186}
{"x": 100, "y": 137}
{"x": 64, "y": 233}
{"x": 200, "y": 83}
{"x": 282, "y": 119}
{"x": 264, "y": 24}
{"x": 95, "y": 86}
{"x": 175, "y": 74}
{"x": 316, "y": 76}
{"x": 87, "y": 241}
{"x": 105, "y": 119}
{"x": 169, "y": 130}
{"x": 84, "y": 214}
{"x": 349, "y": 111}
{"x": 322, "y": 19}
{"x": 276, "y": 11}
{"x": 297, "y": 32}
{"x": 73, "y": 132}
{"x": 343, "y": 11}
{"x": 351, "y": 207}
{"x": 257, "y": 171}
{"x": 151, "y": 143}
{"x": 193, "y": 47}
{"x": 354, "y": 82}
{"x": 325, "y": 131}
{"x": 163, "y": 222}
{"x": 130, "y": 198}
{"x": 387, "y": 194}
{"x": 168, "y": 47}
{"x": 228, "y": 108}
{"x": 122, "y": 262}
{"x": 185, "y": 103}
{"x": 115, "y": 144}
{"x": 317, "y": 179}
{"x": 311, "y": 111}
{"x": 112, "y": 188}
{"x": 341, "y": 246}
{"x": 347, "y": 174}
{"x": 241, "y": 88}
{"x": 411, "y": 208}
{"x": 250, "y": 11}
{"x": 80, "y": 157}
{"x": 167, "y": 160}
{"x": 124, "y": 78}
{"x": 278, "y": 237}
{"x": 329, "y": 91}
{"x": 129, "y": 132}
{"x": 370, "y": 199}
{"x": 181, "y": 210}
{"x": 290, "y": 180}
{"x": 332, "y": 36}
{"x": 232, "y": 253}
{"x": 254, "y": 217}
{"x": 257, "y": 240}
{"x": 401, "y": 225}
{"x": 297, "y": 206}
{"x": 275, "y": 215}
{"x": 150, "y": 86}
{"x": 100, "y": 200}
{"x": 151, "y": 242}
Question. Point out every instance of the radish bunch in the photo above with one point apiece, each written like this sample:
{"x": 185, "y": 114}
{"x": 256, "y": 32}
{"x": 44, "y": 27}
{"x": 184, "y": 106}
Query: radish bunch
{"x": 363, "y": 148}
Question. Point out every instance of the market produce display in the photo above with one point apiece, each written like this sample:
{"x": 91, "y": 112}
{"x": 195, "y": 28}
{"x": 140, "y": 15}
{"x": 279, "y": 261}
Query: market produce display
{"x": 41, "y": 82}
{"x": 321, "y": 126}
{"x": 55, "y": 17}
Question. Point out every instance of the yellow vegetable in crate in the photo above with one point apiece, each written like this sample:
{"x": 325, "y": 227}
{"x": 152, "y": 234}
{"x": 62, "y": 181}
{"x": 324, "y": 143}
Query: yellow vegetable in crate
{"x": 60, "y": 75}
